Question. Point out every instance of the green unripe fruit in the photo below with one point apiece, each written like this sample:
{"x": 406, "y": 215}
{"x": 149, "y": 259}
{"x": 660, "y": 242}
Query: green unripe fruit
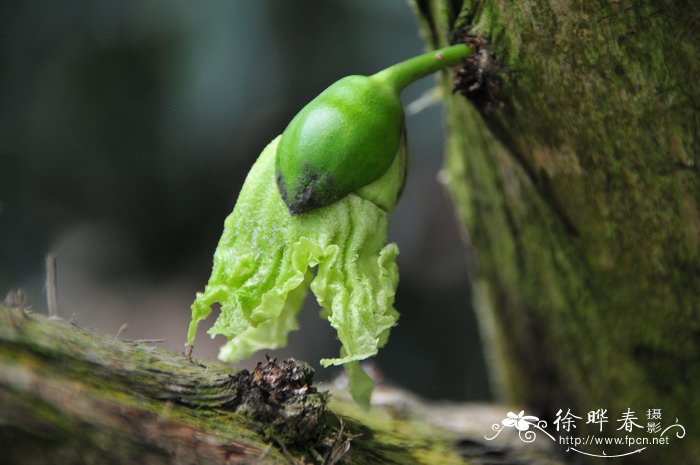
{"x": 342, "y": 140}
{"x": 349, "y": 135}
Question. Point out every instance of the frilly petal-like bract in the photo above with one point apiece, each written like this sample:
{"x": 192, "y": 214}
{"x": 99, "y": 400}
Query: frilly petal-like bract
{"x": 263, "y": 266}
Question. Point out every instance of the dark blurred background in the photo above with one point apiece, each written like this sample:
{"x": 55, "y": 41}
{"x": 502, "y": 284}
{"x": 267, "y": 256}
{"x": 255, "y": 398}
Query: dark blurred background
{"x": 128, "y": 127}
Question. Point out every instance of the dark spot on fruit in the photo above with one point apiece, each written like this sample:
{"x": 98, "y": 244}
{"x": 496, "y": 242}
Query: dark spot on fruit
{"x": 314, "y": 191}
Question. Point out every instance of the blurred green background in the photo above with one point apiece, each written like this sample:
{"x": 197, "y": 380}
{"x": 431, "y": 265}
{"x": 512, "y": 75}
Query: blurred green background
{"x": 128, "y": 128}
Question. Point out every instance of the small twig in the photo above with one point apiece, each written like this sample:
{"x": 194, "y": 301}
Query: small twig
{"x": 51, "y": 289}
{"x": 121, "y": 329}
{"x": 74, "y": 319}
{"x": 145, "y": 341}
{"x": 429, "y": 98}
{"x": 188, "y": 352}
{"x": 340, "y": 446}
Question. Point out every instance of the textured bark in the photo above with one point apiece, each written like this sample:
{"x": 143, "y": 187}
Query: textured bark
{"x": 72, "y": 396}
{"x": 580, "y": 197}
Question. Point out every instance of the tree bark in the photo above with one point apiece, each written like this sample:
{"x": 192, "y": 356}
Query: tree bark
{"x": 72, "y": 396}
{"x": 579, "y": 193}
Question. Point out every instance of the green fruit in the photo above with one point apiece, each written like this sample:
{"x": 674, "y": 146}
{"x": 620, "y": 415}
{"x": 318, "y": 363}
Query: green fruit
{"x": 342, "y": 140}
{"x": 349, "y": 135}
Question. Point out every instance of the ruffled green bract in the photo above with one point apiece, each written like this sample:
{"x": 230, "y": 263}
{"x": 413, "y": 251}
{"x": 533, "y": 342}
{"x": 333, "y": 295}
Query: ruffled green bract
{"x": 265, "y": 261}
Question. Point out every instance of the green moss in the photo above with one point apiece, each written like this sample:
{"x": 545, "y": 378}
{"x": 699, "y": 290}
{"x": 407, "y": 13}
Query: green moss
{"x": 581, "y": 199}
{"x": 387, "y": 438}
{"x": 56, "y": 374}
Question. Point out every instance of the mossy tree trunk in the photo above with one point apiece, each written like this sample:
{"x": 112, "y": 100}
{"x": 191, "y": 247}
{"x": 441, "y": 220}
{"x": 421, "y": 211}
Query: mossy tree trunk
{"x": 580, "y": 197}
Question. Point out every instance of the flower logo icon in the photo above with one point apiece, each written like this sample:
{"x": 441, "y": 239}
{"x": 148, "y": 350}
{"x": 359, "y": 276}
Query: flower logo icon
{"x": 520, "y": 421}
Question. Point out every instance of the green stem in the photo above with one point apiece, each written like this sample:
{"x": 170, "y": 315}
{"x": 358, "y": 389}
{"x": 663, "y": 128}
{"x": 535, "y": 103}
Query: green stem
{"x": 402, "y": 74}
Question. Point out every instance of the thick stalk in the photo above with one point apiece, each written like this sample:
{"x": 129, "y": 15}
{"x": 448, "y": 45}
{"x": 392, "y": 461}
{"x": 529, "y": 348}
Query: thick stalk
{"x": 402, "y": 74}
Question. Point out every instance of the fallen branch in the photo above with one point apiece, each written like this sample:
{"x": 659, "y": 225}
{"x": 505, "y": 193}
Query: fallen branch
{"x": 71, "y": 395}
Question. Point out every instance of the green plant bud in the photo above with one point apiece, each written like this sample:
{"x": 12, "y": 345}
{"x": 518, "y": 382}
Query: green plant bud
{"x": 347, "y": 137}
{"x": 342, "y": 140}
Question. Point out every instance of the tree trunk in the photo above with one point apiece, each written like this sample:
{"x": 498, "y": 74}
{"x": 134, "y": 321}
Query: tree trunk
{"x": 72, "y": 396}
{"x": 576, "y": 178}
